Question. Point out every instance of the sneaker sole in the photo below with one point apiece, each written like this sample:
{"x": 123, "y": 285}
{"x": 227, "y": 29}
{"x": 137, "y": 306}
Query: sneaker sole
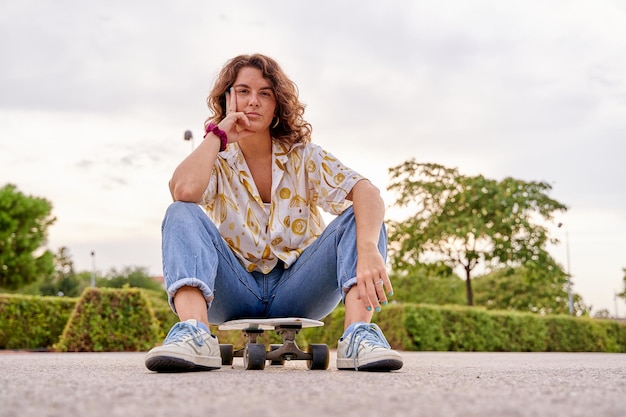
{"x": 170, "y": 364}
{"x": 383, "y": 365}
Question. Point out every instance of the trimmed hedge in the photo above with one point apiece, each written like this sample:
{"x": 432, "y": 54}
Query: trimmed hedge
{"x": 456, "y": 328}
{"x": 585, "y": 335}
{"x": 137, "y": 320}
{"x": 32, "y": 322}
{"x": 415, "y": 327}
{"x": 110, "y": 320}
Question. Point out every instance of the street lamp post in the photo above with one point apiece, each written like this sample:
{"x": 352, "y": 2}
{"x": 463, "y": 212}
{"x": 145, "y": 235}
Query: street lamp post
{"x": 570, "y": 297}
{"x": 189, "y": 136}
{"x": 93, "y": 269}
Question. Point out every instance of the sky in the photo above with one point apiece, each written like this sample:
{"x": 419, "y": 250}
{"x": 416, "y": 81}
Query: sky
{"x": 95, "y": 97}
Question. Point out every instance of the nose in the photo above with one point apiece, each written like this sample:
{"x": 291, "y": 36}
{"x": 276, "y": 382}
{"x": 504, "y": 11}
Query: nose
{"x": 254, "y": 99}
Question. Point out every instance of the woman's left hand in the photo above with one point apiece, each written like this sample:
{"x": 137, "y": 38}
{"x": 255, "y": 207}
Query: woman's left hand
{"x": 372, "y": 280}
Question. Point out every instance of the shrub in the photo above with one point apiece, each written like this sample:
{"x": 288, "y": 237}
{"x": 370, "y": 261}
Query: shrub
{"x": 424, "y": 327}
{"x": 32, "y": 322}
{"x": 469, "y": 329}
{"x": 571, "y": 334}
{"x": 520, "y": 332}
{"x": 110, "y": 320}
{"x": 138, "y": 319}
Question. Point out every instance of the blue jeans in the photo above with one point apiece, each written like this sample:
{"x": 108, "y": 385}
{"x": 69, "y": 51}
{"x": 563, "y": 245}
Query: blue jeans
{"x": 195, "y": 254}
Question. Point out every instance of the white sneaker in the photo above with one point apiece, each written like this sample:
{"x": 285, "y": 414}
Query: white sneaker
{"x": 366, "y": 349}
{"x": 186, "y": 348}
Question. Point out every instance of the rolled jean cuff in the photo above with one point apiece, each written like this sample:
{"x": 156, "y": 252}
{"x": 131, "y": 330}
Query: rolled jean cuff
{"x": 189, "y": 282}
{"x": 346, "y": 287}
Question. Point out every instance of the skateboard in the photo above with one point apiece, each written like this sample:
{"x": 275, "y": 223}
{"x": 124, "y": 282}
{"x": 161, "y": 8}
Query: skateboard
{"x": 255, "y": 354}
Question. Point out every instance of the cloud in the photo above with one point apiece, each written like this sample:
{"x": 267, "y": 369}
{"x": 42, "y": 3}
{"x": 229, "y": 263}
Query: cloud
{"x": 96, "y": 97}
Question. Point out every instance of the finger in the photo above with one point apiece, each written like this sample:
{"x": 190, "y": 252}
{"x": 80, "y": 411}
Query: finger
{"x": 233, "y": 101}
{"x": 387, "y": 285}
{"x": 380, "y": 291}
{"x": 227, "y": 95}
{"x": 372, "y": 293}
{"x": 241, "y": 120}
{"x": 362, "y": 294}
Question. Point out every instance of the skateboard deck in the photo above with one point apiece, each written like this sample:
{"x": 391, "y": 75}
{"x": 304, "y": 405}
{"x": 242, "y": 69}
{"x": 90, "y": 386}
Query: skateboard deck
{"x": 269, "y": 324}
{"x": 255, "y": 354}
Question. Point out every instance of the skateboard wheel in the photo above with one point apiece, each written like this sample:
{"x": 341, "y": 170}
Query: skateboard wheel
{"x": 254, "y": 356}
{"x": 226, "y": 351}
{"x": 278, "y": 361}
{"x": 320, "y": 357}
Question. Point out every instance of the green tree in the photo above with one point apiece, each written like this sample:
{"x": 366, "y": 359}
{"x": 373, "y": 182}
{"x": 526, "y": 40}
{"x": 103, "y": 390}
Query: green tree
{"x": 136, "y": 277}
{"x": 532, "y": 288}
{"x": 602, "y": 314}
{"x": 623, "y": 293}
{"x": 64, "y": 281}
{"x": 428, "y": 284}
{"x": 464, "y": 220}
{"x": 24, "y": 223}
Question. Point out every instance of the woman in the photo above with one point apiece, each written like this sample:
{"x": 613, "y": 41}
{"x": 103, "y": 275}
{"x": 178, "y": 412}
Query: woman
{"x": 263, "y": 250}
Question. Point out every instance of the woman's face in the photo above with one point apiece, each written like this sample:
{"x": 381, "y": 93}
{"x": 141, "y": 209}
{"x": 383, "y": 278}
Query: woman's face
{"x": 255, "y": 97}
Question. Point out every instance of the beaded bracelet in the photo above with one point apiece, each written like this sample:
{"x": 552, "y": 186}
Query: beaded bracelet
{"x": 219, "y": 133}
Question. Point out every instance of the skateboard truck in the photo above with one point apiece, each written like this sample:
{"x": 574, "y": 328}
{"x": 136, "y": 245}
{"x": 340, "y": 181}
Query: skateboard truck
{"x": 255, "y": 355}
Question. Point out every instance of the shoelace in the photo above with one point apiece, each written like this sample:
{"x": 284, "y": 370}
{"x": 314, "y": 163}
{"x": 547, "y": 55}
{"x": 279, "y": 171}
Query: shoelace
{"x": 371, "y": 334}
{"x": 182, "y": 329}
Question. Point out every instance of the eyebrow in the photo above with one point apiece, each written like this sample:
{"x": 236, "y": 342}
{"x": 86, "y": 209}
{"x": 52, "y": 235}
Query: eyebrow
{"x": 247, "y": 86}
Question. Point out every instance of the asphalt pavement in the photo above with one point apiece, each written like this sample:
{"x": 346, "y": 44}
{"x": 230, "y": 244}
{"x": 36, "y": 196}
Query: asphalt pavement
{"x": 430, "y": 384}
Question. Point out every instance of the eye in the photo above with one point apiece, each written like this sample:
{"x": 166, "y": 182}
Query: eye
{"x": 242, "y": 91}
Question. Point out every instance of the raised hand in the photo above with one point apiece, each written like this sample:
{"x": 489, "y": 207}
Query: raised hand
{"x": 235, "y": 123}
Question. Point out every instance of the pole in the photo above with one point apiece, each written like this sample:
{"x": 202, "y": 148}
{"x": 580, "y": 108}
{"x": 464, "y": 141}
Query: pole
{"x": 93, "y": 269}
{"x": 570, "y": 298}
{"x": 189, "y": 136}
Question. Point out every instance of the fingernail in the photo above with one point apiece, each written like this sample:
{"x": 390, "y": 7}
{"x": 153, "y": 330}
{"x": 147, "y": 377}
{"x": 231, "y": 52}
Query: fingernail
{"x": 390, "y": 293}
{"x": 368, "y": 308}
{"x": 384, "y": 303}
{"x": 378, "y": 309}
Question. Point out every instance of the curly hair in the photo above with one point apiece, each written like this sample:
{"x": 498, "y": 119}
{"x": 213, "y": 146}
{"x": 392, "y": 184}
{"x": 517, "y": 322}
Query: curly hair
{"x": 292, "y": 128}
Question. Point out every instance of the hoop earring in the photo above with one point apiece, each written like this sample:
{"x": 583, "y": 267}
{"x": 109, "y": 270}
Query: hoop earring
{"x": 275, "y": 125}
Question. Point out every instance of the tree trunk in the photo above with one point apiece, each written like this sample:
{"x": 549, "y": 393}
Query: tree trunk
{"x": 468, "y": 287}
